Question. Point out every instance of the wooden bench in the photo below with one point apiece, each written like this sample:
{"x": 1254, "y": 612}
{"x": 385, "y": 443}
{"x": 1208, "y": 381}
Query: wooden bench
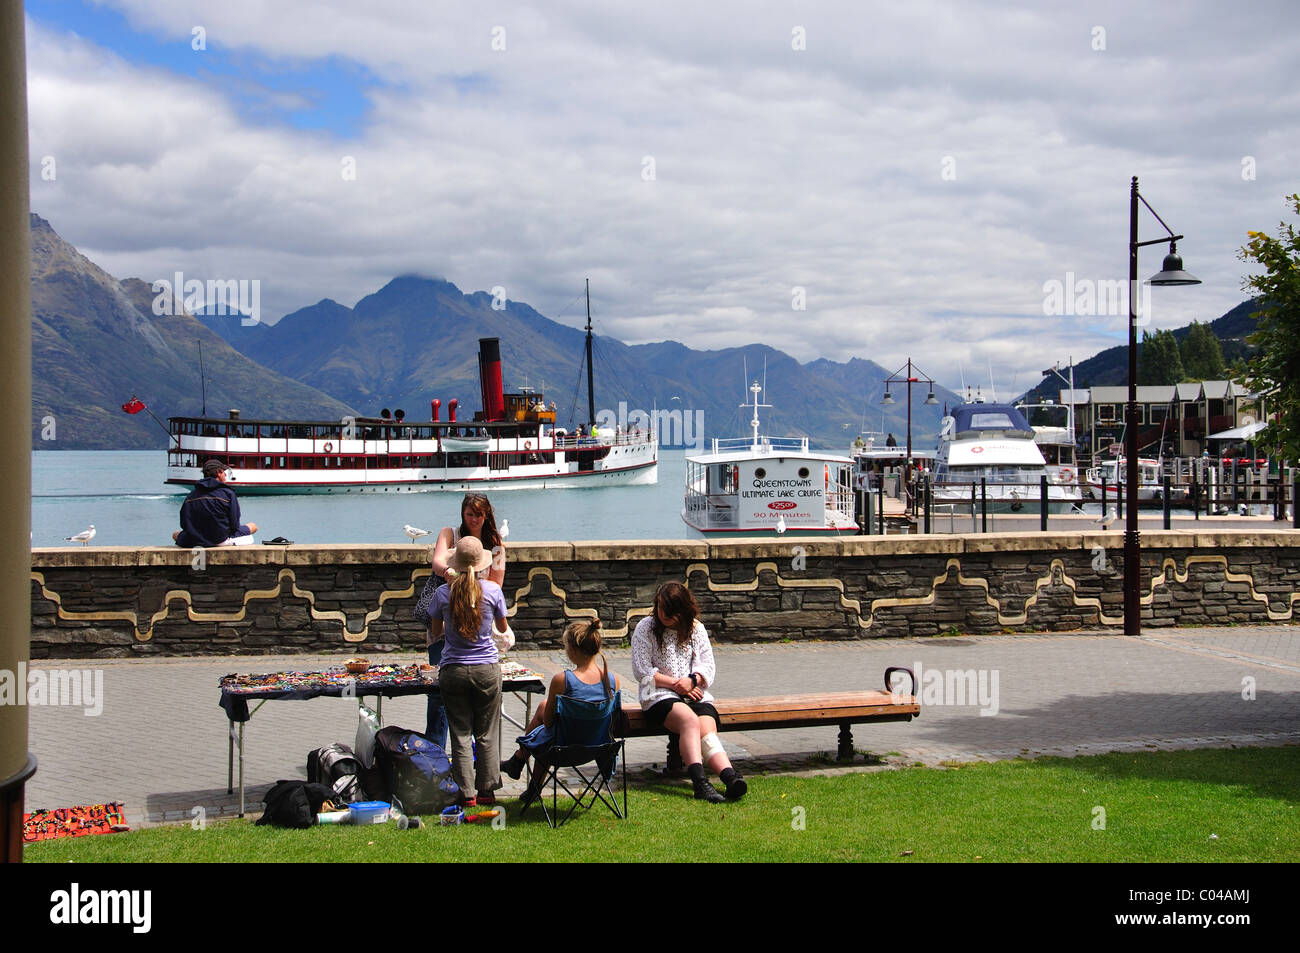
{"x": 844, "y": 709}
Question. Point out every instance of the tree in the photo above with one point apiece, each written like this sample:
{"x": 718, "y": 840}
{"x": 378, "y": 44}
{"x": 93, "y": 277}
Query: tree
{"x": 1202, "y": 354}
{"x": 1158, "y": 360}
{"x": 1275, "y": 367}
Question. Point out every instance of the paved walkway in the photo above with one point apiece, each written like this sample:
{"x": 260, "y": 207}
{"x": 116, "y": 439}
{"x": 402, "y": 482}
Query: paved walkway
{"x": 159, "y": 744}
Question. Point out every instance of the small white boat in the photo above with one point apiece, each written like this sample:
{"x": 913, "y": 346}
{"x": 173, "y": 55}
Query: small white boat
{"x": 1114, "y": 472}
{"x": 768, "y": 486}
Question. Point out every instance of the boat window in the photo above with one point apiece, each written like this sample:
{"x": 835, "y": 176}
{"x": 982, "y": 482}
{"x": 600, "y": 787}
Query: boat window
{"x": 760, "y": 473}
{"x": 803, "y": 473}
{"x": 988, "y": 421}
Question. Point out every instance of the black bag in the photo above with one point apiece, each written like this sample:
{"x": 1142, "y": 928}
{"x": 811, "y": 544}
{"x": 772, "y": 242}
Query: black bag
{"x": 416, "y": 771}
{"x": 294, "y": 804}
{"x": 422, "y": 604}
{"x": 336, "y": 767}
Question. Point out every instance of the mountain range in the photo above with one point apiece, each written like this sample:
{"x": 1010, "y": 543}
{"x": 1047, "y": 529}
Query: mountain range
{"x": 97, "y": 342}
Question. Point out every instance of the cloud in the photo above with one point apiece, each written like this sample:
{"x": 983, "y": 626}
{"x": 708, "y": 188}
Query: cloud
{"x": 919, "y": 171}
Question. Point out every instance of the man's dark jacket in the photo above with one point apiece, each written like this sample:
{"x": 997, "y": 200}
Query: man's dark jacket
{"x": 209, "y": 515}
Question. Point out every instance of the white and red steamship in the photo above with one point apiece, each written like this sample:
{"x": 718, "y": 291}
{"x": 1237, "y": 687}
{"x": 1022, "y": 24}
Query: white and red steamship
{"x": 512, "y": 442}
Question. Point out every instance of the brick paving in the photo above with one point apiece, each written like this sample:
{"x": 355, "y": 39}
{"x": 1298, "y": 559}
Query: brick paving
{"x": 160, "y": 743}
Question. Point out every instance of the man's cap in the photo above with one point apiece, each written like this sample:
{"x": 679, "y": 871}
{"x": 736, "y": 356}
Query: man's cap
{"x": 214, "y": 468}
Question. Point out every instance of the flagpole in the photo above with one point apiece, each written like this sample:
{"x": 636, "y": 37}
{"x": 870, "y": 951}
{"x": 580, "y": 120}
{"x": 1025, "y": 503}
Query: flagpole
{"x": 145, "y": 408}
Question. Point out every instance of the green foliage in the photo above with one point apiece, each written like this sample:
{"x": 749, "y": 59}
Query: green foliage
{"x": 1202, "y": 354}
{"x": 1275, "y": 368}
{"x": 1158, "y": 360}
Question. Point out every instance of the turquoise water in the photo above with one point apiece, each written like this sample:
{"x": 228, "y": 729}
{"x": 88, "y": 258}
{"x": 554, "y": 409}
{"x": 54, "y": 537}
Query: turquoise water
{"x": 123, "y": 494}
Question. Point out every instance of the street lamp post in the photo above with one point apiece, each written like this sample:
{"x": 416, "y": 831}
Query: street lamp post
{"x": 912, "y": 376}
{"x": 1171, "y": 273}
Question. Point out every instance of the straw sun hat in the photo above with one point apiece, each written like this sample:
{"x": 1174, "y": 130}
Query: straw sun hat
{"x": 470, "y": 556}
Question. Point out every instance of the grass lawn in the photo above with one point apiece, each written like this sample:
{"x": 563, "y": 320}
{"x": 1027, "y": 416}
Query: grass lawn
{"x": 1170, "y": 806}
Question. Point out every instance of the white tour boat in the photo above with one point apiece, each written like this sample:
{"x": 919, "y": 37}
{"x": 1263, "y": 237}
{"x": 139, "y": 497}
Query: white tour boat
{"x": 766, "y": 486}
{"x": 994, "y": 443}
{"x": 511, "y": 443}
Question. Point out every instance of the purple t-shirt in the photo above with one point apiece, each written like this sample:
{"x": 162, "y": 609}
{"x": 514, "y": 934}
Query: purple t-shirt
{"x": 456, "y": 648}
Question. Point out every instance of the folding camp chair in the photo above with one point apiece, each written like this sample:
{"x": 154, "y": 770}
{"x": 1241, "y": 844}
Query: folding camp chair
{"x": 584, "y": 739}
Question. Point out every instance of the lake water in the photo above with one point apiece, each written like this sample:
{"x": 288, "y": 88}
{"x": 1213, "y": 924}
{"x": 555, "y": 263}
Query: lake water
{"x": 123, "y": 494}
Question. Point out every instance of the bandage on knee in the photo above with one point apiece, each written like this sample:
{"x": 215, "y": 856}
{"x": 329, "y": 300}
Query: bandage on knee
{"x": 710, "y": 745}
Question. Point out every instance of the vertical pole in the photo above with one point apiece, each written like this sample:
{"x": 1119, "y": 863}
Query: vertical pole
{"x": 929, "y": 501}
{"x": 984, "y": 505}
{"x": 1132, "y": 541}
{"x": 1165, "y": 501}
{"x": 17, "y": 764}
{"x": 1042, "y": 504}
{"x": 1196, "y": 494}
{"x": 1295, "y": 499}
{"x": 1104, "y": 489}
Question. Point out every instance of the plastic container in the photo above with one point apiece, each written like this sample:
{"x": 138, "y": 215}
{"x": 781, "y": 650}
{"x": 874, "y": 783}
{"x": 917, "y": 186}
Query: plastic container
{"x": 369, "y": 812}
{"x": 452, "y": 815}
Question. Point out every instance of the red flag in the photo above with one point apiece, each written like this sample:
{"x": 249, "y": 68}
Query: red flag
{"x": 133, "y": 406}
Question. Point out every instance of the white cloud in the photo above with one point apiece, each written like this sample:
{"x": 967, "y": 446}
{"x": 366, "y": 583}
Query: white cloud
{"x": 823, "y": 168}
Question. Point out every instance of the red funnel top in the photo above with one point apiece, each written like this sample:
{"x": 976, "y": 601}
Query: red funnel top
{"x": 489, "y": 376}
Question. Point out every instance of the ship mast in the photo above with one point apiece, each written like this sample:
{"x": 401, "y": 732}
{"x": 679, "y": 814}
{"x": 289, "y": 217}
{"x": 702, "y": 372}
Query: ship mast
{"x": 591, "y": 392}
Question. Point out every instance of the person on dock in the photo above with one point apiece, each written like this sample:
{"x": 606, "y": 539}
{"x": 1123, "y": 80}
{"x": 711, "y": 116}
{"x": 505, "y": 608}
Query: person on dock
{"x": 673, "y": 662}
{"x": 210, "y": 514}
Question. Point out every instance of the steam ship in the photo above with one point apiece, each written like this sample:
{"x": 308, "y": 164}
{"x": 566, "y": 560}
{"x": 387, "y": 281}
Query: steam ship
{"x": 512, "y": 443}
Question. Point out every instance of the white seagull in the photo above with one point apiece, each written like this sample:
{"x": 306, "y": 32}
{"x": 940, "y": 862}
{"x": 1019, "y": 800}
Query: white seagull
{"x": 780, "y": 524}
{"x": 505, "y": 529}
{"x": 84, "y": 537}
{"x": 414, "y": 532}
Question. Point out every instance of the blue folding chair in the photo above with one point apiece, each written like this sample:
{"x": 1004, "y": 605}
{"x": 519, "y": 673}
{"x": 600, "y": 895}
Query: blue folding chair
{"x": 584, "y": 739}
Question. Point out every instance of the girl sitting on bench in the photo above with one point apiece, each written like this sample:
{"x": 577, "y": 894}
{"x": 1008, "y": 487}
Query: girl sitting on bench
{"x": 673, "y": 662}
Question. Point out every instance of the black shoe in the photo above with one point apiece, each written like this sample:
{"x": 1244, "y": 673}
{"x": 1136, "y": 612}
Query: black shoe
{"x": 531, "y": 794}
{"x": 736, "y": 788}
{"x": 704, "y": 791}
{"x": 513, "y": 766}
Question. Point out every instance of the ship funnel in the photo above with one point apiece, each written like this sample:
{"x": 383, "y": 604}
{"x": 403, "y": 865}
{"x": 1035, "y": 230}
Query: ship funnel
{"x": 434, "y": 406}
{"x": 489, "y": 377}
{"x": 451, "y": 409}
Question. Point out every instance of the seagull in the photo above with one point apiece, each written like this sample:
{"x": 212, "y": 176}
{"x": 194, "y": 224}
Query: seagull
{"x": 780, "y": 524}
{"x": 84, "y": 537}
{"x": 414, "y": 532}
{"x": 505, "y": 529}
{"x": 1105, "y": 521}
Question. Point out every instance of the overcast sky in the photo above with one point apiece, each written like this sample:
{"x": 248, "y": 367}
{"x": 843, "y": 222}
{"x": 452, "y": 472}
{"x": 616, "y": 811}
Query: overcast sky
{"x": 921, "y": 171}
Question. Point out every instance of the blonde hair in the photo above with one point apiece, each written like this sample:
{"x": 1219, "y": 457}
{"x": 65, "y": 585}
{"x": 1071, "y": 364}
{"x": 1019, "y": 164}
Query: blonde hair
{"x": 465, "y": 591}
{"x": 582, "y": 638}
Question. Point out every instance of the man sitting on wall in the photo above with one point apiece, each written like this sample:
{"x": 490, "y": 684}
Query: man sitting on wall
{"x": 210, "y": 514}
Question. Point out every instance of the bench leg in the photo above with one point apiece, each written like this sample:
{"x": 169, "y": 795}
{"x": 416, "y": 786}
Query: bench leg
{"x": 845, "y": 752}
{"x": 673, "y": 766}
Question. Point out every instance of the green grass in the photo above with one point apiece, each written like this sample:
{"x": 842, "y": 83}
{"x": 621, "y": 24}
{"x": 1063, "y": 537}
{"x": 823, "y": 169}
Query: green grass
{"x": 1159, "y": 806}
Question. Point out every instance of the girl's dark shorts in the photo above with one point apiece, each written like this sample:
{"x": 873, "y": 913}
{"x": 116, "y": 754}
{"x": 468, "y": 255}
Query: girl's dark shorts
{"x": 657, "y": 714}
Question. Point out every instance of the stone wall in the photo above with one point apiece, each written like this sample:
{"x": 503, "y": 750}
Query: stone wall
{"x": 115, "y": 602}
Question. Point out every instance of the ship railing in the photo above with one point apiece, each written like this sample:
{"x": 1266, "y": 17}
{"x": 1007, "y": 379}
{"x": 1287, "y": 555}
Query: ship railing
{"x": 765, "y": 445}
{"x": 632, "y": 438}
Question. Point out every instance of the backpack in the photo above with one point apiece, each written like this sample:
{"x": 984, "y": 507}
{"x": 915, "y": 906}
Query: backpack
{"x": 416, "y": 772}
{"x": 294, "y": 804}
{"x": 336, "y": 767}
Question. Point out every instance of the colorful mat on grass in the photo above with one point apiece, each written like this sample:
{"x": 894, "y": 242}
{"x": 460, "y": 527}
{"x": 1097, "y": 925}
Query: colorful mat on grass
{"x": 74, "y": 822}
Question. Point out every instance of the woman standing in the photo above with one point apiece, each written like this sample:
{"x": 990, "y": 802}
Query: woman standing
{"x": 477, "y": 520}
{"x": 673, "y": 662}
{"x": 465, "y": 611}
